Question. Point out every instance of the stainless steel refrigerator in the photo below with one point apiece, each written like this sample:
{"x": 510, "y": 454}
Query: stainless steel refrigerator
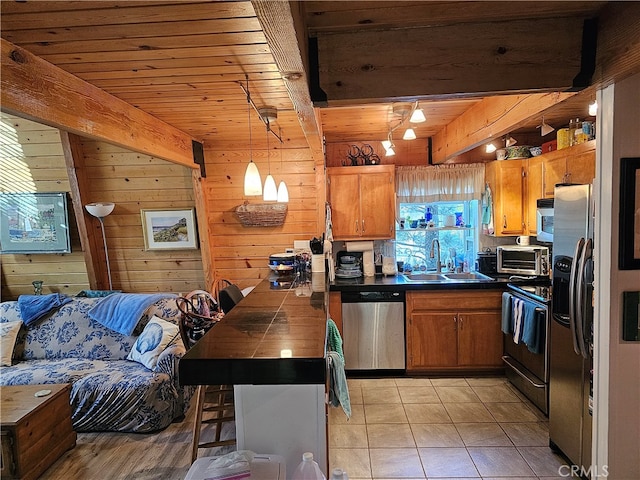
{"x": 571, "y": 342}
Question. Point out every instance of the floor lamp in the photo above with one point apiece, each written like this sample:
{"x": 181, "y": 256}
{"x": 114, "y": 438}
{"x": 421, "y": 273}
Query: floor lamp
{"x": 101, "y": 210}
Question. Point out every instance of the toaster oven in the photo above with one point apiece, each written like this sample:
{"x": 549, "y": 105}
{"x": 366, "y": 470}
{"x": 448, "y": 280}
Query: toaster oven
{"x": 523, "y": 260}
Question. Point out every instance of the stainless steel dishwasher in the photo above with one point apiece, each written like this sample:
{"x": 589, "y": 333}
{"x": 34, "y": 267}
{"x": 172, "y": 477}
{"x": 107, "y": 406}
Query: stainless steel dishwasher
{"x": 373, "y": 330}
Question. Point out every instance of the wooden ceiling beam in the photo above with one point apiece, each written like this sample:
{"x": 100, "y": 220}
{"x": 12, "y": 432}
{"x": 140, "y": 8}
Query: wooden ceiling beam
{"x": 490, "y": 119}
{"x": 281, "y": 22}
{"x": 35, "y": 89}
{"x": 520, "y": 56}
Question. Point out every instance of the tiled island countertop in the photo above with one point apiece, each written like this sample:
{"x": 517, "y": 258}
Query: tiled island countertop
{"x": 271, "y": 337}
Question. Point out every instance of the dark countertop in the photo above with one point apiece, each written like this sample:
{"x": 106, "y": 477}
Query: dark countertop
{"x": 271, "y": 337}
{"x": 398, "y": 282}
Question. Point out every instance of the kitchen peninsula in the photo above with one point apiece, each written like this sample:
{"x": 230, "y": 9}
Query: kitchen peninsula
{"x": 271, "y": 347}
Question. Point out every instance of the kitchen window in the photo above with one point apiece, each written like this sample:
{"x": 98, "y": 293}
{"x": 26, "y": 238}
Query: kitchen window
{"x": 440, "y": 203}
{"x": 422, "y": 223}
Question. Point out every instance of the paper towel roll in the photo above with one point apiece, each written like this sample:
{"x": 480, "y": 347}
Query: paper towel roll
{"x": 359, "y": 246}
{"x": 368, "y": 265}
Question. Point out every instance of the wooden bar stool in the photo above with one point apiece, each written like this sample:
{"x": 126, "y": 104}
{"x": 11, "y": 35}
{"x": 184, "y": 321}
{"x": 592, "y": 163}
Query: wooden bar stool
{"x": 214, "y": 406}
{"x": 214, "y": 403}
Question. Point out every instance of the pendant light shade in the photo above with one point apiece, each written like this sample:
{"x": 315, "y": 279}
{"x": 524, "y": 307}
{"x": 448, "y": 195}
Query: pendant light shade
{"x": 252, "y": 180}
{"x": 409, "y": 134}
{"x": 283, "y": 193}
{"x": 417, "y": 116}
{"x": 270, "y": 191}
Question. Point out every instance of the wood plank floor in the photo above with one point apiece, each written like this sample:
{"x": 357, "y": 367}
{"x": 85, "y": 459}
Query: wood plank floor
{"x": 165, "y": 455}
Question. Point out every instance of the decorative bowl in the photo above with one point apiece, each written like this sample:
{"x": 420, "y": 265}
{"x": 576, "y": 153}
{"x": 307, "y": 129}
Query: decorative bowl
{"x": 518, "y": 151}
{"x": 535, "y": 151}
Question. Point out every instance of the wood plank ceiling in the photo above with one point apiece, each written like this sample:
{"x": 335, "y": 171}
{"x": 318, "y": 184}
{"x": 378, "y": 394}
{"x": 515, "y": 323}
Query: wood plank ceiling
{"x": 182, "y": 61}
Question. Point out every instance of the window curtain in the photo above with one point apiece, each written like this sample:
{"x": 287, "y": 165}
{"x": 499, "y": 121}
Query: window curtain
{"x": 439, "y": 183}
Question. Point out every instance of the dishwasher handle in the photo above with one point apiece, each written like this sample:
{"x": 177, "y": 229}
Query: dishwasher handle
{"x": 370, "y": 297}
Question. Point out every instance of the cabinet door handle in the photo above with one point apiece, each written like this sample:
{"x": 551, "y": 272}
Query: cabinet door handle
{"x": 363, "y": 225}
{"x": 504, "y": 221}
{"x": 461, "y": 322}
{"x": 455, "y": 323}
{"x": 357, "y": 231}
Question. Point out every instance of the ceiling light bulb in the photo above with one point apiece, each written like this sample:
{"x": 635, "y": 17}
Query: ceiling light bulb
{"x": 510, "y": 141}
{"x": 409, "y": 134}
{"x": 390, "y": 152}
{"x": 283, "y": 193}
{"x": 270, "y": 190}
{"x": 386, "y": 144}
{"x": 593, "y": 108}
{"x": 490, "y": 148}
{"x": 417, "y": 116}
{"x": 252, "y": 180}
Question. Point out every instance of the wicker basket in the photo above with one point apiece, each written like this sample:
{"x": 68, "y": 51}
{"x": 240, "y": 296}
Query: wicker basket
{"x": 261, "y": 214}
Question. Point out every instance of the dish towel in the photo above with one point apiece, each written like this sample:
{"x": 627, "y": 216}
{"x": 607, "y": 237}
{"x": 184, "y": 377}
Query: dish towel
{"x": 34, "y": 307}
{"x": 518, "y": 305}
{"x": 487, "y": 211}
{"x": 338, "y": 388}
{"x": 532, "y": 328}
{"x": 506, "y": 313}
{"x": 334, "y": 340}
{"x": 121, "y": 312}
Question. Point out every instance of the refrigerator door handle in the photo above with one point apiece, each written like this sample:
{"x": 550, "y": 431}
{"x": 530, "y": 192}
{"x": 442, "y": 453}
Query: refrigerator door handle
{"x": 572, "y": 295}
{"x": 581, "y": 288}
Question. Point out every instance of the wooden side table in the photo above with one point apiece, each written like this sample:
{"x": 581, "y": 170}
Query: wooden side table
{"x": 36, "y": 430}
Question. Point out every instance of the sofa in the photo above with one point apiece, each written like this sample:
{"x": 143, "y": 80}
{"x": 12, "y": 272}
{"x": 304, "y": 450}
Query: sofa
{"x": 110, "y": 391}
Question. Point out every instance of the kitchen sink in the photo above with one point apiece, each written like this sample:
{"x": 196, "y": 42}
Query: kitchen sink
{"x": 447, "y": 277}
{"x": 467, "y": 276}
{"x": 425, "y": 277}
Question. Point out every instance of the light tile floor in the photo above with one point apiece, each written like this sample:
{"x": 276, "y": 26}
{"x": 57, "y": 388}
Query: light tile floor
{"x": 440, "y": 428}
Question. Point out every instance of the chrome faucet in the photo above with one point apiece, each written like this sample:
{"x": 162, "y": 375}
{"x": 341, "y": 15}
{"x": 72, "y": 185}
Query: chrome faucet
{"x": 435, "y": 241}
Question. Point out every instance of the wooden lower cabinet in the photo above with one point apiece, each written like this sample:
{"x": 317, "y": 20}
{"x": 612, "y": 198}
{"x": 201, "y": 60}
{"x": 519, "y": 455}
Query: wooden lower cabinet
{"x": 335, "y": 309}
{"x": 454, "y": 331}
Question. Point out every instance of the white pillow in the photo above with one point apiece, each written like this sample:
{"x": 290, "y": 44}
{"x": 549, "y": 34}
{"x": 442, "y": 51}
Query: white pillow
{"x": 155, "y": 337}
{"x": 9, "y": 334}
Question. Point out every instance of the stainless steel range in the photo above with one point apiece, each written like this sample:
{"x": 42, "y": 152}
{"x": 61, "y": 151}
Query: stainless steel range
{"x": 525, "y": 325}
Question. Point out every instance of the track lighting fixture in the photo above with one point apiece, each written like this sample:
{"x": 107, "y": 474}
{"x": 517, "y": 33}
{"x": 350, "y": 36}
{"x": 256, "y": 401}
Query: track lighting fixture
{"x": 403, "y": 111}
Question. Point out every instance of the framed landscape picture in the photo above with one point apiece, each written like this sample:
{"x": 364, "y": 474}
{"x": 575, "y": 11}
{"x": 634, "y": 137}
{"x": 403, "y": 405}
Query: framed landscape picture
{"x": 34, "y": 223}
{"x": 629, "y": 256}
{"x": 173, "y": 229}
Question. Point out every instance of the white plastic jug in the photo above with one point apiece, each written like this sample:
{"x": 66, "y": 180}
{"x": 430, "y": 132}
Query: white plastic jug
{"x": 308, "y": 469}
{"x": 339, "y": 474}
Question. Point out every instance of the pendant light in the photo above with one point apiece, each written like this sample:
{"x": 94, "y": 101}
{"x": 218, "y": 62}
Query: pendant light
{"x": 270, "y": 191}
{"x": 409, "y": 134}
{"x": 252, "y": 180}
{"x": 283, "y": 192}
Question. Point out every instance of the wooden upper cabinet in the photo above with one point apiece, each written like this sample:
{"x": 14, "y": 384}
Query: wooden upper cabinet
{"x": 575, "y": 164}
{"x": 362, "y": 202}
{"x": 535, "y": 190}
{"x": 506, "y": 179}
{"x": 516, "y": 186}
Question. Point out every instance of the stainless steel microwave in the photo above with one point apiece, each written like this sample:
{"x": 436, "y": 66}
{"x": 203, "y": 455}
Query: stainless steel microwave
{"x": 523, "y": 260}
{"x": 544, "y": 220}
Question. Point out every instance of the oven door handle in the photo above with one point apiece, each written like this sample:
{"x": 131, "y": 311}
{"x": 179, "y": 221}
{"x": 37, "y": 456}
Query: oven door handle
{"x": 506, "y": 359}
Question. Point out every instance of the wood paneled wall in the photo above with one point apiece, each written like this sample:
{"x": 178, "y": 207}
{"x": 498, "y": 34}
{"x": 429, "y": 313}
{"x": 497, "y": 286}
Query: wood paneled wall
{"x": 31, "y": 160}
{"x": 408, "y": 153}
{"x": 241, "y": 254}
{"x": 135, "y": 181}
{"x": 131, "y": 180}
